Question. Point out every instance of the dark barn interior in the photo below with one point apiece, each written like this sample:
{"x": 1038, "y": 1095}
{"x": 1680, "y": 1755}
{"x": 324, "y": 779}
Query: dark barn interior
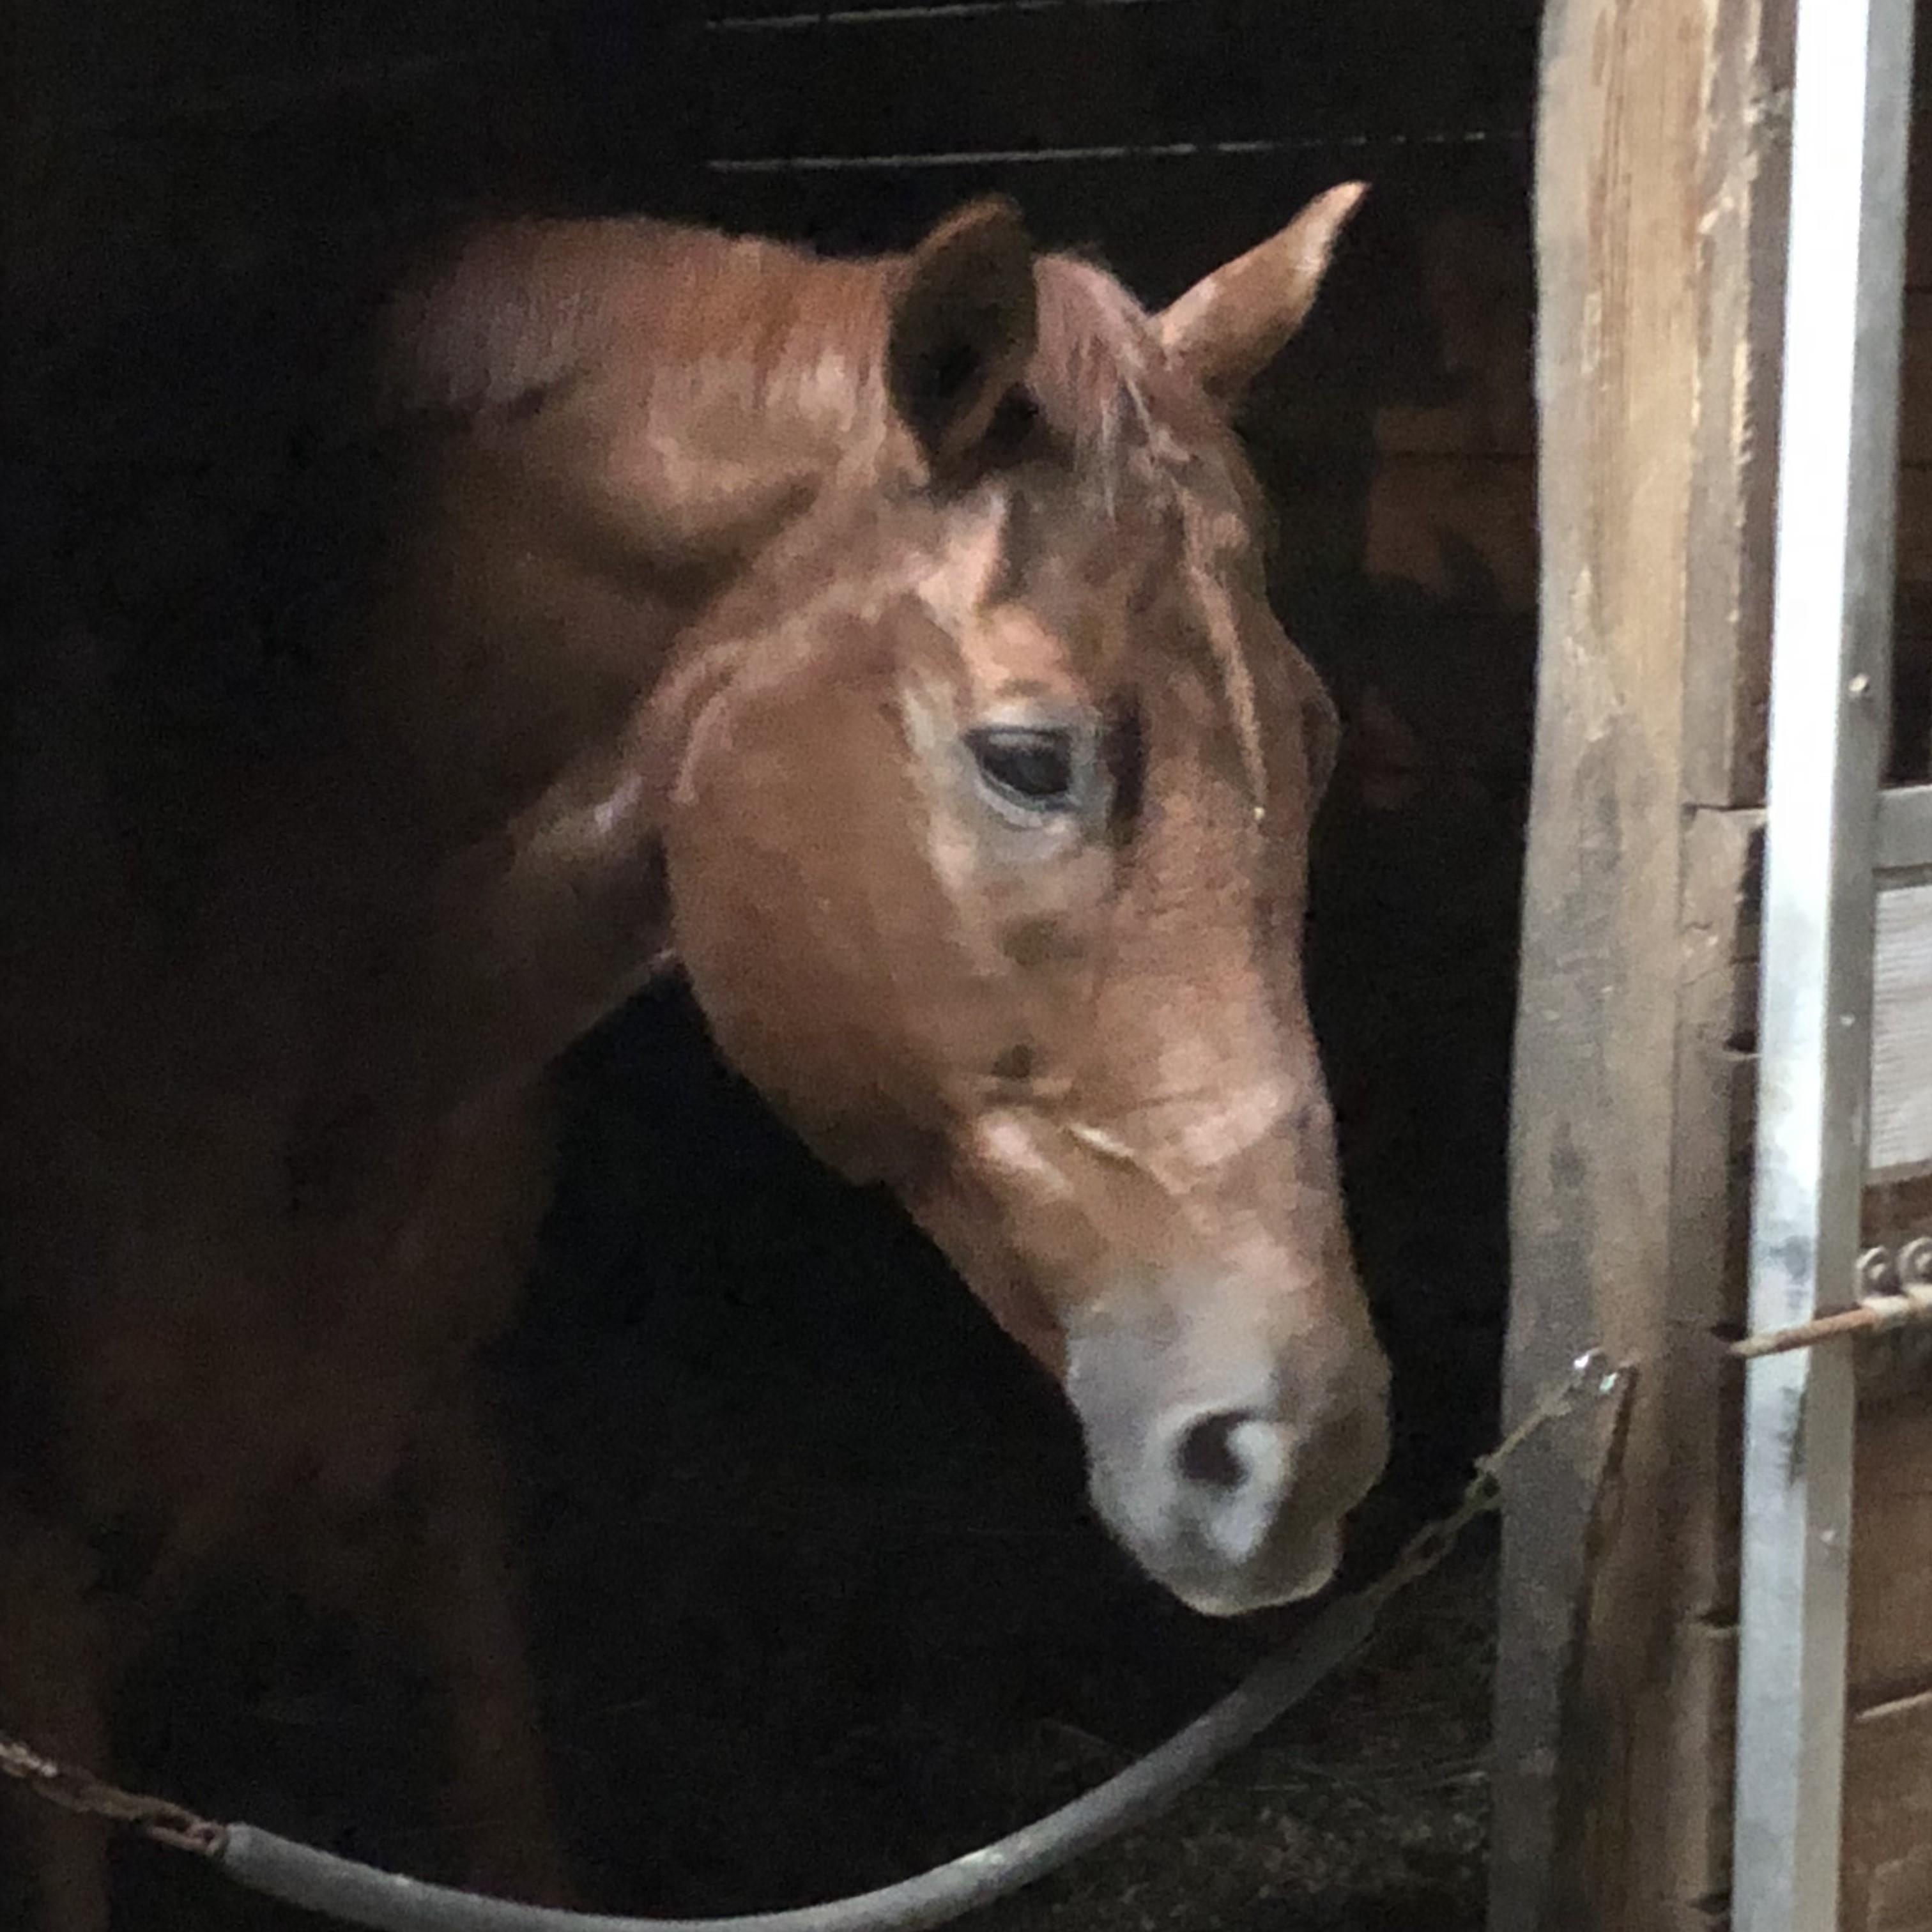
{"x": 814, "y": 1594}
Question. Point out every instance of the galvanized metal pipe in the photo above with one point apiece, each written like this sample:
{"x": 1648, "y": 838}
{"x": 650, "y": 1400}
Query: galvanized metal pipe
{"x": 1831, "y": 660}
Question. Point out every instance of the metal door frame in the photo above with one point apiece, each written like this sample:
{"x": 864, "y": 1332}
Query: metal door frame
{"x": 1830, "y": 662}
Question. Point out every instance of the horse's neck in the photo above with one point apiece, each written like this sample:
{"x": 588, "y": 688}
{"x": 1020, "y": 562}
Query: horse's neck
{"x": 555, "y": 557}
{"x": 755, "y": 342}
{"x": 750, "y": 297}
{"x": 548, "y": 575}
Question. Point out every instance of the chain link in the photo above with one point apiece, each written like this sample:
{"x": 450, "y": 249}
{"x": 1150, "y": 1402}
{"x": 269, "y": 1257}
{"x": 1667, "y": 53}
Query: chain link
{"x": 73, "y": 1789}
{"x": 1593, "y": 1377}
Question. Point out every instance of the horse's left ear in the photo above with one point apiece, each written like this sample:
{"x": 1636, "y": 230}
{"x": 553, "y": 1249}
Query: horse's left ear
{"x": 1227, "y": 327}
{"x": 964, "y": 321}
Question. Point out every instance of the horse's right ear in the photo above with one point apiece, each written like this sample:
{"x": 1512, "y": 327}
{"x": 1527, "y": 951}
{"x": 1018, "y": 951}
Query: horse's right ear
{"x": 963, "y": 323}
{"x": 1227, "y": 327}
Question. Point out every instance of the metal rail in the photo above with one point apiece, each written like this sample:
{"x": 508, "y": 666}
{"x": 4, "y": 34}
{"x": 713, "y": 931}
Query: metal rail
{"x": 1831, "y": 654}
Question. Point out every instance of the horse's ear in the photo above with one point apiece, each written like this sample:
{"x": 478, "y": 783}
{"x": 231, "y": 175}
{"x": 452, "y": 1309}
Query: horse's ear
{"x": 1227, "y": 327}
{"x": 963, "y": 324}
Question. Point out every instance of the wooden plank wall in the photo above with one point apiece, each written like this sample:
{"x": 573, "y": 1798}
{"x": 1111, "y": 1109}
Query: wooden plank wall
{"x": 1628, "y": 1824}
{"x": 1659, "y": 222}
{"x": 1887, "y": 1844}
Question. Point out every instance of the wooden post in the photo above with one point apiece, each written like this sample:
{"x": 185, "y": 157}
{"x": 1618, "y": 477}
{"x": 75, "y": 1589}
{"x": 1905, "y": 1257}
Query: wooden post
{"x": 1659, "y": 219}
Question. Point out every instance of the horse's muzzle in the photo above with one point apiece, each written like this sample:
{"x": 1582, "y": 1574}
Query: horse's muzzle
{"x": 1229, "y": 1489}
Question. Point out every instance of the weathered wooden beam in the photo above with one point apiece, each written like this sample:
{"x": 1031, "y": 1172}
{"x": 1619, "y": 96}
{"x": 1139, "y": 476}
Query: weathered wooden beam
{"x": 1662, "y": 157}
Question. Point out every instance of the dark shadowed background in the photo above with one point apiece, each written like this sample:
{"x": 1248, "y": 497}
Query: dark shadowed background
{"x": 814, "y": 1595}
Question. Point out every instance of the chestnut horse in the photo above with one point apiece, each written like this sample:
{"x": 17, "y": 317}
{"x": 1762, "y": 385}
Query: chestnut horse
{"x": 884, "y": 644}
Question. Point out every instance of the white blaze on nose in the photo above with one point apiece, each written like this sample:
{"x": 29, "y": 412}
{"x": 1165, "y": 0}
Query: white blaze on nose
{"x": 1214, "y": 1455}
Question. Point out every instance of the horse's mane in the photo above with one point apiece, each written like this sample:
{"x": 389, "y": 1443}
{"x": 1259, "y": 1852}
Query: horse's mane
{"x": 522, "y": 303}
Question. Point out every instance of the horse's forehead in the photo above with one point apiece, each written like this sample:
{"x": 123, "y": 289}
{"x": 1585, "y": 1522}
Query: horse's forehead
{"x": 965, "y": 571}
{"x": 1085, "y": 542}
{"x": 1059, "y": 584}
{"x": 1045, "y": 584}
{"x": 1015, "y": 651}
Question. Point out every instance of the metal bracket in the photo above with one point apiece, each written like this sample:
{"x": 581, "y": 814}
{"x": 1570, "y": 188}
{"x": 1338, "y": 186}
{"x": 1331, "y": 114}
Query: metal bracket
{"x": 1895, "y": 1291}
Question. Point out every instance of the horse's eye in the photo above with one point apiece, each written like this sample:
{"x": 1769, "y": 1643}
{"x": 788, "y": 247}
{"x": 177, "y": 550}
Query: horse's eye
{"x": 1032, "y": 765}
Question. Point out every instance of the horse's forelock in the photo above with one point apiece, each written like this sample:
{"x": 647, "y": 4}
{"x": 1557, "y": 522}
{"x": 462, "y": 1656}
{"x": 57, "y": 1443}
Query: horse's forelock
{"x": 1137, "y": 425}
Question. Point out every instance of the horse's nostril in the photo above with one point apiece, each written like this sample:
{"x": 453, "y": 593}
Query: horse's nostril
{"x": 1209, "y": 1454}
{"x": 1231, "y": 1470}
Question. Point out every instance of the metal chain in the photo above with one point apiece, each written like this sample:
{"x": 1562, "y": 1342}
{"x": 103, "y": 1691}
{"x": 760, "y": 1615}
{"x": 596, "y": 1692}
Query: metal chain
{"x": 73, "y": 1789}
{"x": 1592, "y": 1377}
